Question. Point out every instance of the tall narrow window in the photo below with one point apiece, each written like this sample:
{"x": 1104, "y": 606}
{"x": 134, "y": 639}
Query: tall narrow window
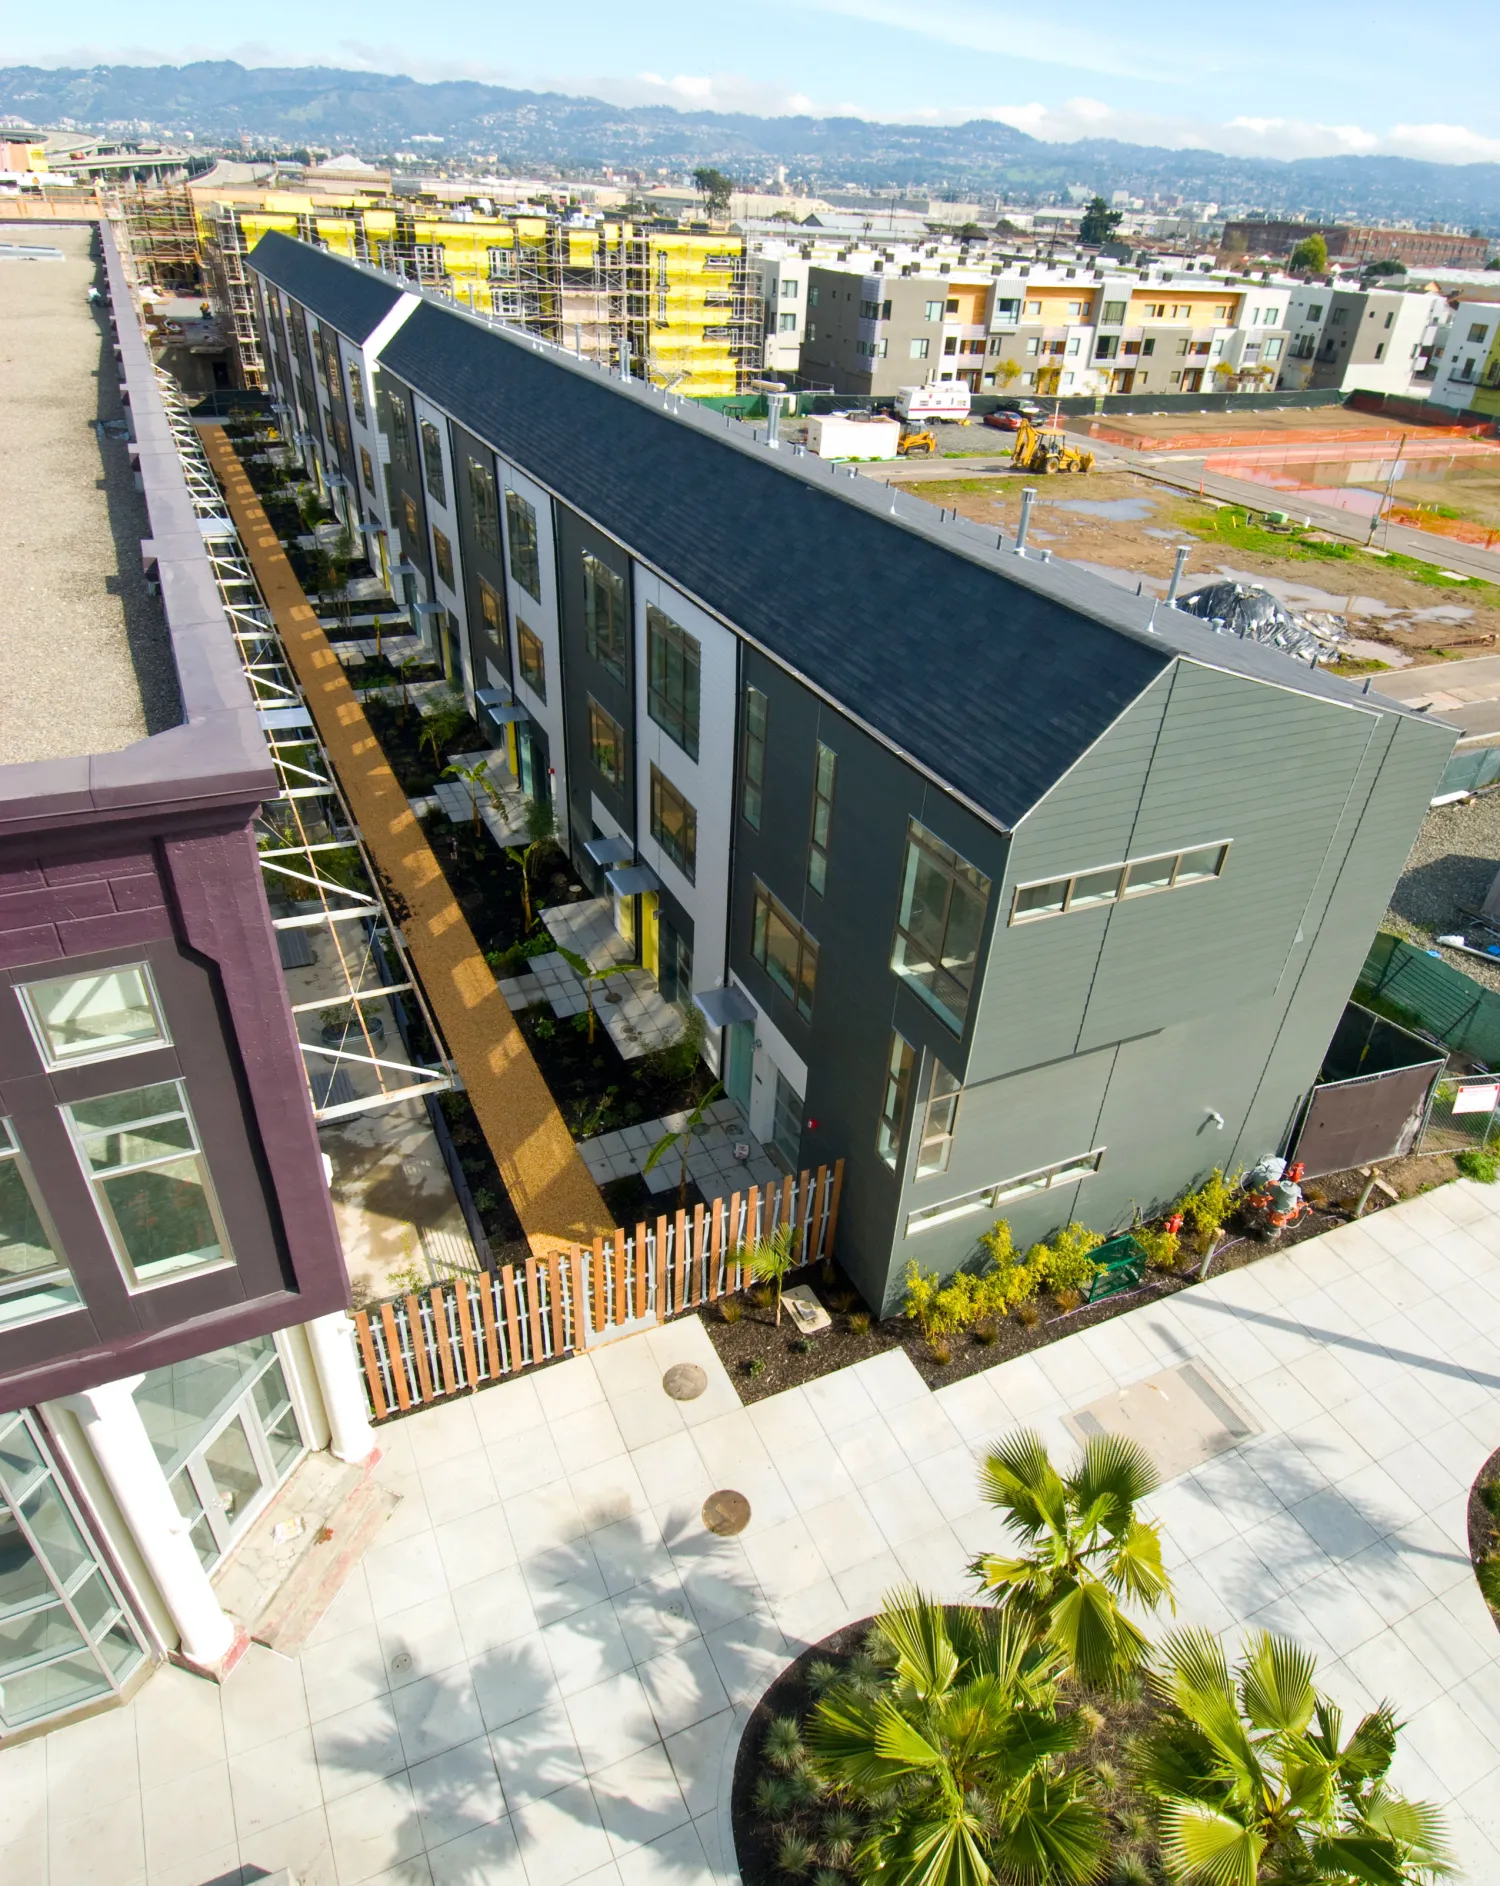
{"x": 486, "y": 507}
{"x": 674, "y": 825}
{"x": 822, "y": 818}
{"x": 525, "y": 562}
{"x": 533, "y": 659}
{"x": 34, "y": 1279}
{"x": 939, "y": 923}
{"x": 411, "y": 520}
{"x": 432, "y": 463}
{"x": 492, "y": 613}
{"x": 939, "y": 1118}
{"x": 367, "y": 470}
{"x": 94, "y": 1017}
{"x": 604, "y": 614}
{"x": 755, "y": 756}
{"x": 784, "y": 950}
{"x": 357, "y": 391}
{"x": 442, "y": 558}
{"x": 897, "y": 1098}
{"x": 673, "y": 661}
{"x": 150, "y": 1182}
{"x": 607, "y": 743}
{"x": 401, "y": 450}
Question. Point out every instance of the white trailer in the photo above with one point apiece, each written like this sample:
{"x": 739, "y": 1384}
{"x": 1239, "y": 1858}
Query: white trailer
{"x": 938, "y": 399}
{"x": 853, "y": 435}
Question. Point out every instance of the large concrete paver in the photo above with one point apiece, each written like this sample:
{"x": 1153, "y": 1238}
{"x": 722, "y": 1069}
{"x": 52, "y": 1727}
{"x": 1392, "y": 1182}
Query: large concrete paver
{"x": 540, "y": 1673}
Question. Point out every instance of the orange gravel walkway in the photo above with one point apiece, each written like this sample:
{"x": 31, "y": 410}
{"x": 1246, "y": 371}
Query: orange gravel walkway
{"x": 556, "y": 1201}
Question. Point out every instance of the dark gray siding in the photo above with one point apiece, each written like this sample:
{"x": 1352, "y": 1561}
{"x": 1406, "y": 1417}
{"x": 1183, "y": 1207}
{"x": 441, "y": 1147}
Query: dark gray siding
{"x": 587, "y": 676}
{"x": 485, "y": 650}
{"x": 405, "y": 481}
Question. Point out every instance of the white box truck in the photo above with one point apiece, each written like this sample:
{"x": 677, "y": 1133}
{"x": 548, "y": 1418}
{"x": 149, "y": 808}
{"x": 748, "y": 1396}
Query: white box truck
{"x": 938, "y": 399}
{"x": 853, "y": 435}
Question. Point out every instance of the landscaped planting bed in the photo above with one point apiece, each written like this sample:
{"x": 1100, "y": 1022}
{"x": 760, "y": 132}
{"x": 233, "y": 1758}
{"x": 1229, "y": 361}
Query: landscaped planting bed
{"x": 1484, "y": 1532}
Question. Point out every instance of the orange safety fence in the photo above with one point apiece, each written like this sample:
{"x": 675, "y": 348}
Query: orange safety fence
{"x": 554, "y": 1197}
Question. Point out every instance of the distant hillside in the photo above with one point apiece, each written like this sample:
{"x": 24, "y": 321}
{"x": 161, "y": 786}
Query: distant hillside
{"x": 219, "y": 102}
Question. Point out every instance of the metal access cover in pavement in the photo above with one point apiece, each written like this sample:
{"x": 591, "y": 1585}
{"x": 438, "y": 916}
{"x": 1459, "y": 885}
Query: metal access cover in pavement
{"x": 1182, "y": 1417}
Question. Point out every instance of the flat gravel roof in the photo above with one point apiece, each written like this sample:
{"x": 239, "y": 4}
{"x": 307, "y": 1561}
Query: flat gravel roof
{"x": 85, "y": 660}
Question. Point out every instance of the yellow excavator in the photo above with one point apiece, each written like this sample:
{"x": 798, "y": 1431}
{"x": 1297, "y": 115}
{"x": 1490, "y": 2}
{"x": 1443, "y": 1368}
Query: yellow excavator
{"x": 1037, "y": 451}
{"x": 916, "y": 442}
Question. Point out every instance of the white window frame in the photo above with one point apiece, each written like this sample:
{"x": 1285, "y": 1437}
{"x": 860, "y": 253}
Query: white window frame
{"x": 39, "y": 1033}
{"x": 1126, "y": 894}
{"x": 1023, "y": 1185}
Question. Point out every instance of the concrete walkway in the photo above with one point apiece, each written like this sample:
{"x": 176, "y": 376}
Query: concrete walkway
{"x": 540, "y": 1674}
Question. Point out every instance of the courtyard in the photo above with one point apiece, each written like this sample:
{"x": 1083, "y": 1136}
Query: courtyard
{"x": 540, "y": 1673}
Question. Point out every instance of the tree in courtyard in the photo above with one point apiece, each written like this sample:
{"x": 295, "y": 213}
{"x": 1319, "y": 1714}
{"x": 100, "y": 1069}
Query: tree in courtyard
{"x": 446, "y": 714}
{"x": 1255, "y": 1783}
{"x": 587, "y": 974}
{"x": 959, "y": 1758}
{"x": 476, "y": 777}
{"x": 1310, "y": 257}
{"x": 716, "y": 188}
{"x": 1081, "y": 1552}
{"x": 693, "y": 1124}
{"x": 1099, "y": 222}
{"x": 771, "y": 1259}
{"x": 541, "y": 836}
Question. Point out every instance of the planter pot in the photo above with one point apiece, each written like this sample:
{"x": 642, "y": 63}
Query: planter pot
{"x": 338, "y": 1035}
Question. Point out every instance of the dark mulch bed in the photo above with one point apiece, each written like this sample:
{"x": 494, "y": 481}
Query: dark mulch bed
{"x": 631, "y": 1201}
{"x": 399, "y": 731}
{"x": 763, "y": 1360}
{"x": 486, "y": 1187}
{"x": 1484, "y": 1527}
{"x": 596, "y": 1088}
{"x": 1107, "y": 1752}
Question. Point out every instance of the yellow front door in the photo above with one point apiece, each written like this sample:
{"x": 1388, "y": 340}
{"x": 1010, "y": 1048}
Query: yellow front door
{"x": 650, "y": 953}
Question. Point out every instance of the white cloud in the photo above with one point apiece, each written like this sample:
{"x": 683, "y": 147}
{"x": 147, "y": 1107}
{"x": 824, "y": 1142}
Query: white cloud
{"x": 718, "y": 91}
{"x": 1021, "y": 34}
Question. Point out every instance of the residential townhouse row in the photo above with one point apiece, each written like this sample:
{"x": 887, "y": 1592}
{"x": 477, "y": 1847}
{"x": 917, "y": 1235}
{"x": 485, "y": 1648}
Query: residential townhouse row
{"x": 1016, "y": 893}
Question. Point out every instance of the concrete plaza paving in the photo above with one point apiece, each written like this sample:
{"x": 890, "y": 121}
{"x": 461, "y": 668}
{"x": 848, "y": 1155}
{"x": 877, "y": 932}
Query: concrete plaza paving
{"x": 539, "y": 1675}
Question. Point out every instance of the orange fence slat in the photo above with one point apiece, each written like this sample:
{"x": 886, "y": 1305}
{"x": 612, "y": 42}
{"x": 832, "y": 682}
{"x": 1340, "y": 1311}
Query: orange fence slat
{"x": 512, "y": 1321}
{"x": 441, "y": 1339}
{"x": 419, "y": 1346}
{"x": 466, "y": 1333}
{"x": 372, "y": 1364}
{"x": 487, "y": 1313}
{"x": 534, "y": 1311}
{"x": 393, "y": 1352}
{"x": 639, "y": 1308}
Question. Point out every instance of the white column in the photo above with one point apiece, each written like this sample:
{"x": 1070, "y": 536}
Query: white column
{"x": 120, "y": 1444}
{"x": 331, "y": 1339}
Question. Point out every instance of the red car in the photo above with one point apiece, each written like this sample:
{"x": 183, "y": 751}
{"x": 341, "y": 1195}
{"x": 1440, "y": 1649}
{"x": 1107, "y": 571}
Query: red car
{"x": 1004, "y": 421}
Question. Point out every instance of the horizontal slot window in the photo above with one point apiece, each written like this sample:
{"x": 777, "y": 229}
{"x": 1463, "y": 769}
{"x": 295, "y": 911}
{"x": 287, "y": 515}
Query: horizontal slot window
{"x": 1087, "y": 890}
{"x": 1044, "y": 1179}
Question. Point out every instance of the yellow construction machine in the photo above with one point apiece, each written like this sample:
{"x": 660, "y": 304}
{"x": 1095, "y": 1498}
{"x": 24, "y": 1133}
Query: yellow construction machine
{"x": 916, "y": 442}
{"x": 1037, "y": 451}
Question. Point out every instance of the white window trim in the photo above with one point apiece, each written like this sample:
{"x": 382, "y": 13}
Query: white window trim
{"x": 1061, "y": 1172}
{"x": 1121, "y": 864}
{"x": 39, "y": 1033}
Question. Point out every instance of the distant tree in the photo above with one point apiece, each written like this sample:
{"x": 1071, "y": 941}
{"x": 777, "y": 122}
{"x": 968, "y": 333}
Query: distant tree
{"x": 1373, "y": 271}
{"x": 716, "y": 188}
{"x": 1494, "y": 262}
{"x": 1099, "y": 222}
{"x": 1310, "y": 257}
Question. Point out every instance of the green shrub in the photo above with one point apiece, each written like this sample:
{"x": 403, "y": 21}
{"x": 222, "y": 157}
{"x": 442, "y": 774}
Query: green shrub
{"x": 1160, "y": 1247}
{"x": 1483, "y": 1166}
{"x": 1065, "y": 1265}
{"x": 859, "y": 1323}
{"x": 1212, "y": 1204}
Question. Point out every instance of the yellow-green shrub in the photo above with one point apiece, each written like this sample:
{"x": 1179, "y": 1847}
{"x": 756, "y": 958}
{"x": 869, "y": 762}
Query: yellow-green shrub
{"x": 939, "y": 1309}
{"x": 1211, "y": 1205}
{"x": 1160, "y": 1246}
{"x": 1065, "y": 1263}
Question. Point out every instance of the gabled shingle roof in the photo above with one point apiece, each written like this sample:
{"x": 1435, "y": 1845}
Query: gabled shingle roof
{"x": 992, "y": 674}
{"x": 354, "y": 300}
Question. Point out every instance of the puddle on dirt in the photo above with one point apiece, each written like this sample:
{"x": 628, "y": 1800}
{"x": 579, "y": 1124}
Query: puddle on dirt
{"x": 1307, "y": 596}
{"x": 1124, "y": 510}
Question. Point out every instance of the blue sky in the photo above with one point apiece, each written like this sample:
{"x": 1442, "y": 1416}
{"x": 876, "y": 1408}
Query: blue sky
{"x": 1274, "y": 79}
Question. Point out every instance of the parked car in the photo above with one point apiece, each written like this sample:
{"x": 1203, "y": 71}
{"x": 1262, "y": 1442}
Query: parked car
{"x": 1004, "y": 421}
{"x": 1028, "y": 408}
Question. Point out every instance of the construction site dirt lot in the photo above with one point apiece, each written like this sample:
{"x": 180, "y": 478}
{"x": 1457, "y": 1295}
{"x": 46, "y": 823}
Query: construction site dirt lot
{"x": 1216, "y": 431}
{"x": 1126, "y": 527}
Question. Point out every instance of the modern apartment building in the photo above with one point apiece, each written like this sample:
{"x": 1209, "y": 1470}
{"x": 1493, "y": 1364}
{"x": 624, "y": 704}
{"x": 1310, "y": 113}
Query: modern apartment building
{"x": 684, "y": 304}
{"x": 1371, "y": 340}
{"x": 172, "y": 1337}
{"x": 1467, "y": 376}
{"x": 783, "y": 294}
{"x": 1023, "y": 896}
{"x": 1042, "y": 329}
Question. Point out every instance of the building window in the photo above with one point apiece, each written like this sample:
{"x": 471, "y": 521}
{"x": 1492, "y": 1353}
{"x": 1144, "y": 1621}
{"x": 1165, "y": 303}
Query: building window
{"x": 939, "y": 1119}
{"x": 525, "y": 562}
{"x": 897, "y": 1098}
{"x": 492, "y": 613}
{"x": 1086, "y": 890}
{"x": 66, "y": 1638}
{"x": 920, "y": 349}
{"x": 674, "y": 825}
{"x": 786, "y": 323}
{"x": 533, "y": 659}
{"x": 442, "y": 558}
{"x": 1066, "y": 1172}
{"x": 366, "y": 471}
{"x": 486, "y": 507}
{"x": 934, "y": 311}
{"x": 34, "y": 1278}
{"x": 752, "y": 795}
{"x": 502, "y": 261}
{"x": 432, "y": 463}
{"x": 604, "y": 614}
{"x": 411, "y": 521}
{"x": 943, "y": 900}
{"x": 1477, "y": 332}
{"x": 822, "y": 818}
{"x": 607, "y": 743}
{"x": 1112, "y": 313}
{"x": 786, "y": 1122}
{"x": 150, "y": 1182}
{"x": 672, "y": 670}
{"x": 78, "y": 1019}
{"x": 357, "y": 391}
{"x": 784, "y": 950}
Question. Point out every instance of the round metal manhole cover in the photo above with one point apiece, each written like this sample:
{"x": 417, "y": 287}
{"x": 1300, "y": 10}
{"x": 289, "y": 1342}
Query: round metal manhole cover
{"x": 726, "y": 1513}
{"x": 401, "y": 1662}
{"x": 684, "y": 1381}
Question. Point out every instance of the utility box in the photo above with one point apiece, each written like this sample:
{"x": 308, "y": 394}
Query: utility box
{"x": 853, "y": 435}
{"x": 938, "y": 399}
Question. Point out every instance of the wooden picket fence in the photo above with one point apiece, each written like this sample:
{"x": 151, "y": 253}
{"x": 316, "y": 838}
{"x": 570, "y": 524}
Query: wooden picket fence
{"x": 472, "y": 1331}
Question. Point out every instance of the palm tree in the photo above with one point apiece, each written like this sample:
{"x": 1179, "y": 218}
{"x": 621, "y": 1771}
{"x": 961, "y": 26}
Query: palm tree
{"x": 1255, "y": 1784}
{"x": 958, "y": 1757}
{"x": 475, "y": 777}
{"x": 771, "y": 1258}
{"x": 683, "y": 1139}
{"x": 1082, "y": 1550}
{"x": 587, "y": 974}
{"x": 541, "y": 831}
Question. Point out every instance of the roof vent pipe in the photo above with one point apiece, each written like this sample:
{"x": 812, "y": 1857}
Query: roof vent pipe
{"x": 773, "y": 419}
{"x": 1028, "y": 498}
{"x": 1176, "y": 582}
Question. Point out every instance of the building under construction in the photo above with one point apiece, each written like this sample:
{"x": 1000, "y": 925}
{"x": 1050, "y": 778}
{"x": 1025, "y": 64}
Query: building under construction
{"x": 682, "y": 305}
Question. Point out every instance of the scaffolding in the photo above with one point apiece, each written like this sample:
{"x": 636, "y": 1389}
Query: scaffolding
{"x": 225, "y": 256}
{"x": 161, "y": 228}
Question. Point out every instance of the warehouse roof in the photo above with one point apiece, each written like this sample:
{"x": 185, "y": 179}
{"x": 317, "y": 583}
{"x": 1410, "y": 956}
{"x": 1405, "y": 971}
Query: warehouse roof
{"x": 992, "y": 673}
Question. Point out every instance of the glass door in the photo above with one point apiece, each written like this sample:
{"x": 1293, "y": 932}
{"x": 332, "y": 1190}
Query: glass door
{"x": 741, "y": 1064}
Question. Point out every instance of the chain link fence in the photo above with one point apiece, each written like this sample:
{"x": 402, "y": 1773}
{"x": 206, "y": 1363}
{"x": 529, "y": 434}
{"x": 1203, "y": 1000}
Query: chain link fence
{"x": 1464, "y": 1116}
